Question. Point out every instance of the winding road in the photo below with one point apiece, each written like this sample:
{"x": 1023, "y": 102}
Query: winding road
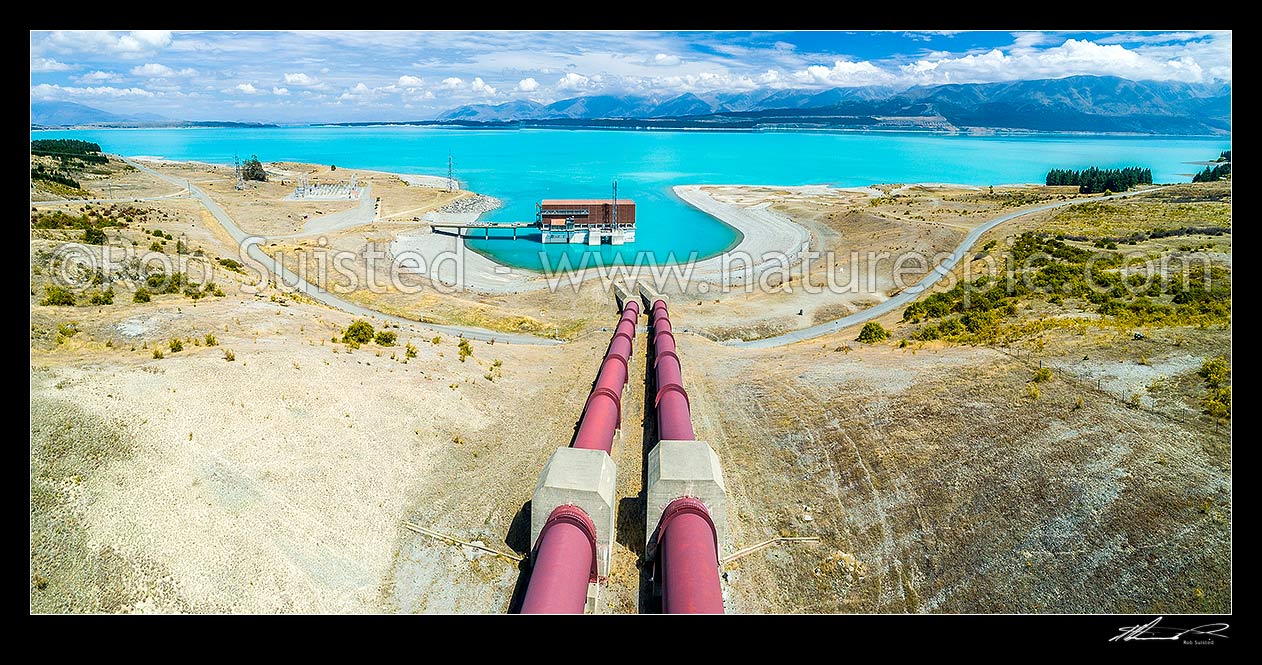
{"x": 482, "y": 334}
{"x": 912, "y": 292}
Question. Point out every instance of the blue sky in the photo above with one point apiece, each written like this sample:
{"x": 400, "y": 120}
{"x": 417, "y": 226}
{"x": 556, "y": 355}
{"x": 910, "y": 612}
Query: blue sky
{"x": 308, "y": 76}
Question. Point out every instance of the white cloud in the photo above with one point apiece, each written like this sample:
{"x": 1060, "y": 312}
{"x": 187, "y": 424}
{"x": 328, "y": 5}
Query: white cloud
{"x": 843, "y": 73}
{"x": 573, "y": 82}
{"x": 1160, "y": 38}
{"x": 301, "y": 79}
{"x": 1073, "y": 57}
{"x": 41, "y": 65}
{"x": 53, "y": 91}
{"x": 410, "y": 81}
{"x": 527, "y": 85}
{"x": 663, "y": 60}
{"x": 247, "y": 88}
{"x": 98, "y": 76}
{"x": 482, "y": 87}
{"x": 280, "y": 92}
{"x": 156, "y": 70}
{"x": 134, "y": 44}
{"x": 361, "y": 92}
{"x": 452, "y": 82}
{"x": 1022, "y": 40}
{"x": 143, "y": 41}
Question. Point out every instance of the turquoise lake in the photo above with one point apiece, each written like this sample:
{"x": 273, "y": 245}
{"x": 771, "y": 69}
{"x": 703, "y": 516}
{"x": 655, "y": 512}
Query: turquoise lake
{"x": 525, "y": 165}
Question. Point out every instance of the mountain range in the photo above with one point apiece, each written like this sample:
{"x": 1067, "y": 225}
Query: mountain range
{"x": 1096, "y": 104}
{"x": 48, "y": 115}
{"x": 1076, "y": 103}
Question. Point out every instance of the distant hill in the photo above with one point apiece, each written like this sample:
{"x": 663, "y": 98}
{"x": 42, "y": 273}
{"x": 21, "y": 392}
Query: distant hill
{"x": 54, "y": 114}
{"x": 50, "y": 115}
{"x": 1073, "y": 104}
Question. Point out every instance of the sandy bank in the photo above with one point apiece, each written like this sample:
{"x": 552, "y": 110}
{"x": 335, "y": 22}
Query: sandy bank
{"x": 769, "y": 240}
{"x": 446, "y": 258}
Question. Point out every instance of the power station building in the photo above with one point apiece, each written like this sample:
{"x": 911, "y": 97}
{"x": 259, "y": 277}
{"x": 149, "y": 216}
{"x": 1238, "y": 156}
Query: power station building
{"x": 587, "y": 221}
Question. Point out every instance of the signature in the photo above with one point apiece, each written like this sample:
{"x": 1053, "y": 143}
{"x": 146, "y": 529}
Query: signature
{"x": 1153, "y": 631}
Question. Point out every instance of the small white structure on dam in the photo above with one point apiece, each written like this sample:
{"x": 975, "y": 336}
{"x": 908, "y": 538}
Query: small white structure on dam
{"x": 338, "y": 191}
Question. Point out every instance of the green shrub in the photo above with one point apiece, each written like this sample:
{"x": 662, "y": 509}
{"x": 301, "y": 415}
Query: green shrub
{"x": 409, "y": 351}
{"x": 155, "y": 246}
{"x": 436, "y": 340}
{"x": 872, "y": 332}
{"x": 57, "y": 295}
{"x": 231, "y": 264}
{"x": 1215, "y": 371}
{"x": 210, "y": 340}
{"x": 105, "y": 297}
{"x": 176, "y": 345}
{"x": 67, "y": 329}
{"x": 157, "y": 353}
{"x": 1217, "y": 402}
{"x": 159, "y": 282}
{"x": 1042, "y": 375}
{"x": 465, "y": 349}
{"x": 94, "y": 236}
{"x": 359, "y": 332}
{"x": 141, "y": 295}
{"x": 386, "y": 338}
{"x": 229, "y": 355}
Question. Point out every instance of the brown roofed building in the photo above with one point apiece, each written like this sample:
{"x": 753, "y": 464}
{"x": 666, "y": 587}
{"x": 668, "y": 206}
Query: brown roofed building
{"x": 587, "y": 221}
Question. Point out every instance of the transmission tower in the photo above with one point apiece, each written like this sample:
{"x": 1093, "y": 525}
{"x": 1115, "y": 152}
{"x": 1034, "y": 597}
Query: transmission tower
{"x": 451, "y": 175}
{"x": 236, "y": 166}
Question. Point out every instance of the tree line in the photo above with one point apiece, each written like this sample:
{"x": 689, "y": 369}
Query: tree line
{"x": 63, "y": 149}
{"x": 1212, "y": 173}
{"x": 1094, "y": 180}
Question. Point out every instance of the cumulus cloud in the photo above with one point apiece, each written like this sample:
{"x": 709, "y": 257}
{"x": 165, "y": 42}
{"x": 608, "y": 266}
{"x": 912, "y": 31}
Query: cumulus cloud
{"x": 1073, "y": 57}
{"x": 843, "y": 73}
{"x": 527, "y": 85}
{"x": 247, "y": 88}
{"x": 280, "y": 92}
{"x": 663, "y": 60}
{"x": 480, "y": 86}
{"x": 54, "y": 91}
{"x": 143, "y": 41}
{"x": 42, "y": 65}
{"x": 453, "y": 82}
{"x": 574, "y": 82}
{"x": 136, "y": 43}
{"x": 156, "y": 70}
{"x": 361, "y": 92}
{"x": 301, "y": 79}
{"x": 410, "y": 81}
{"x": 98, "y": 76}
